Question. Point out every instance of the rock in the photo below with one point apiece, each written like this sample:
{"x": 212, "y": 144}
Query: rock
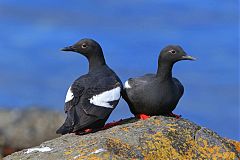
{"x": 155, "y": 138}
{"x": 21, "y": 129}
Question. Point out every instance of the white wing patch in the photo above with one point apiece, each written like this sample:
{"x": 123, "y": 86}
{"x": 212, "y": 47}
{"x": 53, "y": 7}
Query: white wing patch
{"x": 126, "y": 85}
{"x": 69, "y": 95}
{"x": 104, "y": 98}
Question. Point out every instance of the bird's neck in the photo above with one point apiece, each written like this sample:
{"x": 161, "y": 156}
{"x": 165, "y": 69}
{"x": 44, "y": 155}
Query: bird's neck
{"x": 164, "y": 71}
{"x": 96, "y": 62}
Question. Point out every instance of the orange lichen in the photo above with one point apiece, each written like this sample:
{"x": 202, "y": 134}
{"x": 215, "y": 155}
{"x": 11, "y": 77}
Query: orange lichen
{"x": 159, "y": 146}
{"x": 236, "y": 145}
{"x": 126, "y": 129}
{"x": 120, "y": 148}
{"x": 68, "y": 152}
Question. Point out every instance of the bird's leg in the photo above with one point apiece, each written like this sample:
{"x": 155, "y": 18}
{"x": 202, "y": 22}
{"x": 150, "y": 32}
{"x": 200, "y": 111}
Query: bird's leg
{"x": 106, "y": 126}
{"x": 142, "y": 116}
{"x": 111, "y": 124}
{"x": 174, "y": 115}
{"x": 88, "y": 130}
{"x": 85, "y": 131}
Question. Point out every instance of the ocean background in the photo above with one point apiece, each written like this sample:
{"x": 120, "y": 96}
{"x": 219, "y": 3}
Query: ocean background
{"x": 34, "y": 72}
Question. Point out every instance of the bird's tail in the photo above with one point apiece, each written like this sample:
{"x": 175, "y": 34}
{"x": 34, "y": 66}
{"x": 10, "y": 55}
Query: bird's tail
{"x": 67, "y": 127}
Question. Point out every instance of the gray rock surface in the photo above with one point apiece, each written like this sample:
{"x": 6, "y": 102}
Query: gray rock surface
{"x": 155, "y": 138}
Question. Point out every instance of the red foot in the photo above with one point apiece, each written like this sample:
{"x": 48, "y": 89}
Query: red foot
{"x": 142, "y": 116}
{"x": 111, "y": 124}
{"x": 174, "y": 115}
{"x": 88, "y": 130}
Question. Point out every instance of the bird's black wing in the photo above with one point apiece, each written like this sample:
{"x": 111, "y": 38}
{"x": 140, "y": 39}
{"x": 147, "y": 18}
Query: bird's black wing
{"x": 139, "y": 81}
{"x": 179, "y": 85}
{"x": 74, "y": 93}
{"x": 108, "y": 86}
{"x": 81, "y": 113}
{"x": 133, "y": 88}
{"x": 77, "y": 90}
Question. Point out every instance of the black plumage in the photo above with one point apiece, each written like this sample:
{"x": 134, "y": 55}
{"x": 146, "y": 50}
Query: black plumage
{"x": 157, "y": 94}
{"x": 92, "y": 97}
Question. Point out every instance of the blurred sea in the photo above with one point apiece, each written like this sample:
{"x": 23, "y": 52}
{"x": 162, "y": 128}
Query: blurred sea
{"x": 34, "y": 72}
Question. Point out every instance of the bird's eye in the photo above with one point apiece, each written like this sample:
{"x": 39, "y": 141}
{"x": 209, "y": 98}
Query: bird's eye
{"x": 172, "y": 51}
{"x": 84, "y": 45}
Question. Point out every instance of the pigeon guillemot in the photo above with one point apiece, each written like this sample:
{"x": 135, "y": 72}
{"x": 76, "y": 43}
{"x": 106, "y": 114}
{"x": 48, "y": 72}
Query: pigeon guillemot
{"x": 156, "y": 94}
{"x": 92, "y": 97}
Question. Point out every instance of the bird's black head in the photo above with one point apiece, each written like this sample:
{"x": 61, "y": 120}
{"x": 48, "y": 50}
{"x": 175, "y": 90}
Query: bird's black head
{"x": 173, "y": 53}
{"x": 86, "y": 47}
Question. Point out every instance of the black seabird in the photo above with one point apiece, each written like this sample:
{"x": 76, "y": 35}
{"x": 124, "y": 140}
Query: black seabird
{"x": 92, "y": 97}
{"x": 156, "y": 94}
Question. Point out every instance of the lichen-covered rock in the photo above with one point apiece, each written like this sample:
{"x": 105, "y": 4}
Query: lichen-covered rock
{"x": 155, "y": 138}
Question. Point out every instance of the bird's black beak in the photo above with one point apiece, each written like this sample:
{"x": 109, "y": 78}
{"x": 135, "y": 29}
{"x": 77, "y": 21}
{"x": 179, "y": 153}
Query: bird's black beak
{"x": 186, "y": 57}
{"x": 69, "y": 48}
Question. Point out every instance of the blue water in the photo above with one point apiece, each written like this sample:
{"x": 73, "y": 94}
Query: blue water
{"x": 34, "y": 71}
